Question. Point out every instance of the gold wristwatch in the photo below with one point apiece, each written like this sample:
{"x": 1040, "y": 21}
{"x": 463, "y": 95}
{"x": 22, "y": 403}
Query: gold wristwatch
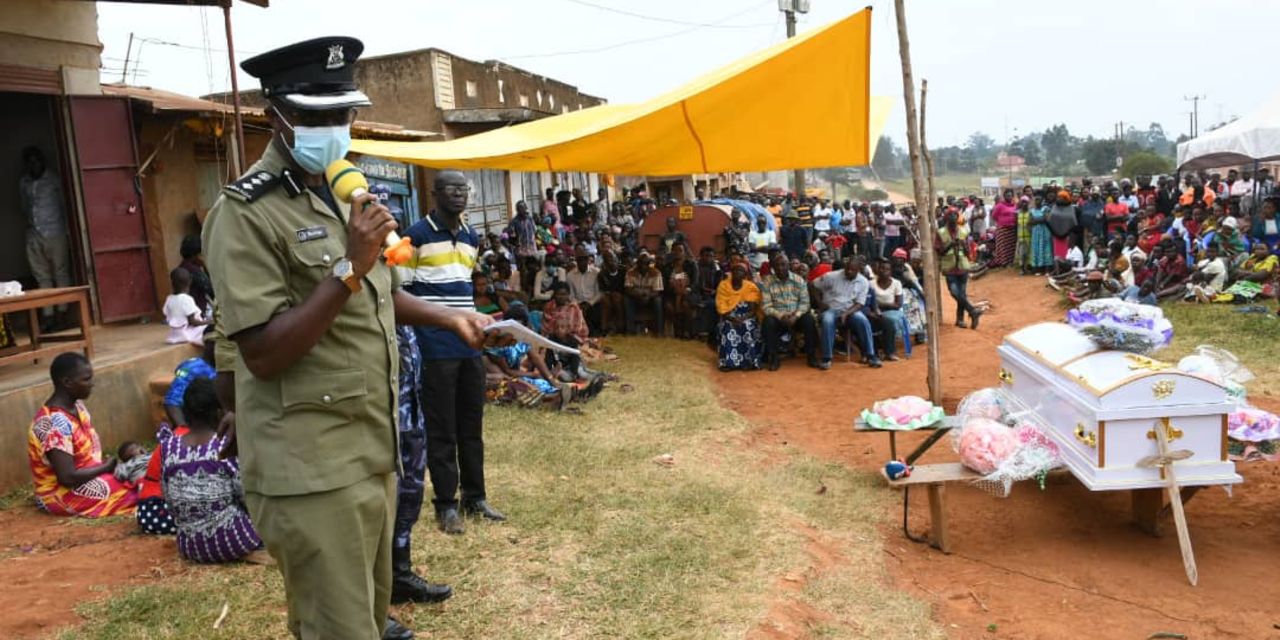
{"x": 346, "y": 274}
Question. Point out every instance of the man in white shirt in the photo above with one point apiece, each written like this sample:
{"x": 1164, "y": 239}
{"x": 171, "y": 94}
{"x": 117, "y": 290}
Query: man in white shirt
{"x": 584, "y": 288}
{"x": 821, "y": 217}
{"x": 1242, "y": 191}
{"x": 760, "y": 240}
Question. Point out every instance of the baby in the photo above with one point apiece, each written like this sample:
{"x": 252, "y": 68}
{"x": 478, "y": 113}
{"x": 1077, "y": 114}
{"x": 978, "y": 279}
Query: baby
{"x": 133, "y": 462}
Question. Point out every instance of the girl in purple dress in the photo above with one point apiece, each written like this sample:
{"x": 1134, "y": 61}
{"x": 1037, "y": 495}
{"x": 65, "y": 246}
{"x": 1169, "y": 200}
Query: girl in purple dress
{"x": 203, "y": 492}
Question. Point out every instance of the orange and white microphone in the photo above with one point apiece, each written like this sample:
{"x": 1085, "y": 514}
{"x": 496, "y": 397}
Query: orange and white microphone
{"x": 348, "y": 183}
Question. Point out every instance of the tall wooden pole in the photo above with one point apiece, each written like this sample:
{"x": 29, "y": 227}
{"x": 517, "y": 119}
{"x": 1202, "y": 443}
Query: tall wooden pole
{"x": 235, "y": 90}
{"x": 799, "y": 173}
{"x": 924, "y": 213}
{"x": 932, "y": 320}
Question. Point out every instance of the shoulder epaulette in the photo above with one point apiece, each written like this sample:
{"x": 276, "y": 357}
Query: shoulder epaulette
{"x": 252, "y": 185}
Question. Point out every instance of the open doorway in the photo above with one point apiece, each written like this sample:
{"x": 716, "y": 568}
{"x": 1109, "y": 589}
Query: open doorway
{"x": 39, "y": 246}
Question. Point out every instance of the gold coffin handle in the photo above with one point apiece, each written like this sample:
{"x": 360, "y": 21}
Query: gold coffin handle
{"x": 1171, "y": 433}
{"x": 1087, "y": 438}
{"x": 1005, "y": 376}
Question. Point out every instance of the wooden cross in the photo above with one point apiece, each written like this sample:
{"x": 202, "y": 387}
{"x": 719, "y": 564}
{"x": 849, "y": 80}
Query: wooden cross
{"x": 1164, "y": 460}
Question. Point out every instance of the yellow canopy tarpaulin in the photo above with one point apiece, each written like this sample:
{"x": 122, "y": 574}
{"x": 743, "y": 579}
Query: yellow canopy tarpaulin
{"x": 801, "y": 103}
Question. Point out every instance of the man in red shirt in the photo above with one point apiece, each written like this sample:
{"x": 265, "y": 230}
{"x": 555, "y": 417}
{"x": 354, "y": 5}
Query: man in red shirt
{"x": 1146, "y": 193}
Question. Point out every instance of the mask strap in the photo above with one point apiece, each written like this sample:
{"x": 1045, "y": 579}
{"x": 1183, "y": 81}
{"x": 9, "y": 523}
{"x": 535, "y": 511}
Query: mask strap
{"x": 284, "y": 119}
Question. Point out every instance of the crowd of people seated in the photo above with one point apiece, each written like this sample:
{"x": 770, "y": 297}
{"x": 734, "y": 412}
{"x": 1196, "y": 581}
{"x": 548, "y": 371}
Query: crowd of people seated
{"x": 792, "y": 274}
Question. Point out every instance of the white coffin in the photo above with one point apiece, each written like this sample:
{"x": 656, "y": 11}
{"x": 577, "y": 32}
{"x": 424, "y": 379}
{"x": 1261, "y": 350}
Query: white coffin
{"x": 1102, "y": 408}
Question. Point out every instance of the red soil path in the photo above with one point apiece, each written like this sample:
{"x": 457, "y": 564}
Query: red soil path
{"x": 1063, "y": 562}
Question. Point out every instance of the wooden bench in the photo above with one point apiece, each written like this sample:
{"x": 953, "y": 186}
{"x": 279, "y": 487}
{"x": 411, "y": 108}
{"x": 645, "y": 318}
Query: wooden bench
{"x": 935, "y": 478}
{"x": 31, "y": 302}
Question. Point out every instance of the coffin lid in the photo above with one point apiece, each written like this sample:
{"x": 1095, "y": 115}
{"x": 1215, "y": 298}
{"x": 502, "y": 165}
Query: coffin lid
{"x": 1060, "y": 347}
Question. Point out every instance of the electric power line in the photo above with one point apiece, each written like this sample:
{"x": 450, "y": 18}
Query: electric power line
{"x": 618, "y": 45}
{"x": 711, "y": 25}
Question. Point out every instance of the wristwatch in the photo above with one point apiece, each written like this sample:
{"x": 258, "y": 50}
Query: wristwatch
{"x": 346, "y": 274}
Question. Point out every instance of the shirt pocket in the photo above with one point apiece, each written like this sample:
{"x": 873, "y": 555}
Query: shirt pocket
{"x": 310, "y": 263}
{"x": 331, "y": 392}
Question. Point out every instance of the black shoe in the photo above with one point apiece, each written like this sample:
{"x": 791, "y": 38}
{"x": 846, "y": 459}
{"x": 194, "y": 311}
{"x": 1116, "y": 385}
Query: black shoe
{"x": 396, "y": 631}
{"x": 410, "y": 587}
{"x": 449, "y": 520}
{"x": 774, "y": 363}
{"x": 813, "y": 362}
{"x": 407, "y": 586}
{"x": 973, "y": 319}
{"x": 482, "y": 509}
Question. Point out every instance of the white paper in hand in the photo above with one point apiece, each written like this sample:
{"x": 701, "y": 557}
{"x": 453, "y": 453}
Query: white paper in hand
{"x": 526, "y": 335}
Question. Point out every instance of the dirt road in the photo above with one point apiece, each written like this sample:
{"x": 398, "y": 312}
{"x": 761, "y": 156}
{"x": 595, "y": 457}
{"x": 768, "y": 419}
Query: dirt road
{"x": 1063, "y": 562}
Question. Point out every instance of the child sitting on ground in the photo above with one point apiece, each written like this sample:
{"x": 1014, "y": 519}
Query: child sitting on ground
{"x": 186, "y": 324}
{"x": 133, "y": 462}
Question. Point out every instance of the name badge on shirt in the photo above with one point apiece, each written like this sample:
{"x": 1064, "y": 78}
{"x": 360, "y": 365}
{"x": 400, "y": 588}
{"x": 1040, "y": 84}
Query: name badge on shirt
{"x": 312, "y": 233}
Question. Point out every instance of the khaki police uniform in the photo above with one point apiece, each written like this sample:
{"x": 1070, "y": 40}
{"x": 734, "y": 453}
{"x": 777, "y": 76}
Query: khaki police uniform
{"x": 318, "y": 442}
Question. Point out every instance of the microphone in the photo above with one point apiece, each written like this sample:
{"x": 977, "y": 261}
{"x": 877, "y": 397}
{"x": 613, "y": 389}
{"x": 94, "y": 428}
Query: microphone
{"x": 348, "y": 183}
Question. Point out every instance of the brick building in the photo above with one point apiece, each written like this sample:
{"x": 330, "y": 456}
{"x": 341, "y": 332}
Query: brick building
{"x": 434, "y": 90}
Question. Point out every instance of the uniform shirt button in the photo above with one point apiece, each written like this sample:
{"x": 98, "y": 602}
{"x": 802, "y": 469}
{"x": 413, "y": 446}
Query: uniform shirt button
{"x": 382, "y": 300}
{"x": 326, "y": 258}
{"x": 327, "y": 398}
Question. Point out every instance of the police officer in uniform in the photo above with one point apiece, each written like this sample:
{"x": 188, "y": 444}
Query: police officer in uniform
{"x": 312, "y": 311}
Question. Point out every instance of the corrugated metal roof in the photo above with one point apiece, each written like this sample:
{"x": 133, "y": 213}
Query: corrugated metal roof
{"x": 161, "y": 100}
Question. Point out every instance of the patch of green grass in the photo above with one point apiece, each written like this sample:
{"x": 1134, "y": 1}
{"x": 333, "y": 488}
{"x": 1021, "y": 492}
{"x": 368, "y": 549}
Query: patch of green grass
{"x": 953, "y": 184}
{"x": 22, "y": 495}
{"x": 601, "y": 541}
{"x": 1253, "y": 337}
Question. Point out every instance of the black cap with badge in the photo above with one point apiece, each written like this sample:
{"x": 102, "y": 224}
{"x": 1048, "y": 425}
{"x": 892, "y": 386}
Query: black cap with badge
{"x": 313, "y": 75}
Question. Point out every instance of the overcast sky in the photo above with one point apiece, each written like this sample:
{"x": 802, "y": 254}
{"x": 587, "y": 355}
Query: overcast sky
{"x": 1004, "y": 67}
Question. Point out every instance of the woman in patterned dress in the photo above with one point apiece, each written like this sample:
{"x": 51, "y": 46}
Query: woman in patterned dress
{"x": 738, "y": 303}
{"x": 203, "y": 492}
{"x": 70, "y": 475}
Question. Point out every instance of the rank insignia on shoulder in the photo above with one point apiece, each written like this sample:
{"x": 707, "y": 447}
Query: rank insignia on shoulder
{"x": 253, "y": 185}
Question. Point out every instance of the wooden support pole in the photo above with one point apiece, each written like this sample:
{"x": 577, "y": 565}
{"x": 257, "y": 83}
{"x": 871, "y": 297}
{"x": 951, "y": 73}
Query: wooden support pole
{"x": 240, "y": 164}
{"x": 924, "y": 212}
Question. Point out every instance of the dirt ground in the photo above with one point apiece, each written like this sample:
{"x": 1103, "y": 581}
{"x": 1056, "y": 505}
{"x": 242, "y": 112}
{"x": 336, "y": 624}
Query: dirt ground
{"x": 49, "y": 565}
{"x": 1063, "y": 562}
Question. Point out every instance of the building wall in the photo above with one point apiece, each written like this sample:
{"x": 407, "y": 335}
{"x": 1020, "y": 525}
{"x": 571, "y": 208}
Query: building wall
{"x": 400, "y": 88}
{"x": 53, "y": 34}
{"x": 182, "y": 182}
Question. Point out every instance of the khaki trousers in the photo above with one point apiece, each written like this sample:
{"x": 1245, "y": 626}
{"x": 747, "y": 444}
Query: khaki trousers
{"x": 334, "y": 551}
{"x": 50, "y": 260}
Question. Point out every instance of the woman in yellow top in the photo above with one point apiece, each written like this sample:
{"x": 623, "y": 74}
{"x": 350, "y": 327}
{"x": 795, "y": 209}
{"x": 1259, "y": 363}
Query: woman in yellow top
{"x": 738, "y": 305}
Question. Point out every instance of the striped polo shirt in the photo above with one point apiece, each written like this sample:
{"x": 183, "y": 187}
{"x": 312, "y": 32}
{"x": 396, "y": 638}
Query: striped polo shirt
{"x": 440, "y": 272}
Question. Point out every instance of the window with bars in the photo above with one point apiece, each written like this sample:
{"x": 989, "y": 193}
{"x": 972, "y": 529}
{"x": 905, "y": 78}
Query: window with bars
{"x": 487, "y": 205}
{"x": 531, "y": 185}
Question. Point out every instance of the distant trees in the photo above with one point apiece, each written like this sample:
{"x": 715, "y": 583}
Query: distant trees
{"x": 1054, "y": 151}
{"x": 1145, "y": 163}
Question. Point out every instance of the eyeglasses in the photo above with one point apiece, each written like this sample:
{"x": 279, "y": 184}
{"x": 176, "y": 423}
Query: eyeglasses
{"x": 456, "y": 190}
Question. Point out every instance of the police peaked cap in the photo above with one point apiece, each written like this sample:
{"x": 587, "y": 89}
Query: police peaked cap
{"x": 313, "y": 75}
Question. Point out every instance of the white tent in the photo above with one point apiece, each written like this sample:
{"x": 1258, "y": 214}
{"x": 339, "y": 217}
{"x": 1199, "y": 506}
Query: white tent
{"x": 1255, "y": 137}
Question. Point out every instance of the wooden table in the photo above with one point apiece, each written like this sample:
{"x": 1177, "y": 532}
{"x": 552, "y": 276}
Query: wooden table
{"x": 43, "y": 346}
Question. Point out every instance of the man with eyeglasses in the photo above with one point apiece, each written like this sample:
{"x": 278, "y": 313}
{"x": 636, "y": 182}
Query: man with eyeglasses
{"x": 313, "y": 312}
{"x": 453, "y": 375}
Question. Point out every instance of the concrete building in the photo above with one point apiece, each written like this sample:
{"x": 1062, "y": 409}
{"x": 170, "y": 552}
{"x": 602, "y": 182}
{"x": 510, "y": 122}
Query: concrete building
{"x": 434, "y": 90}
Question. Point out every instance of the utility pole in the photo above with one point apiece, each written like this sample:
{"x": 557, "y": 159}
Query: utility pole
{"x": 1195, "y": 113}
{"x": 124, "y": 75}
{"x": 790, "y": 8}
{"x": 240, "y": 164}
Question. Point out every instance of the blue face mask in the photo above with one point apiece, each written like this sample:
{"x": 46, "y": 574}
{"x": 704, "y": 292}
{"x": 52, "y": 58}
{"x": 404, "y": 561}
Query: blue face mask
{"x": 315, "y": 148}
